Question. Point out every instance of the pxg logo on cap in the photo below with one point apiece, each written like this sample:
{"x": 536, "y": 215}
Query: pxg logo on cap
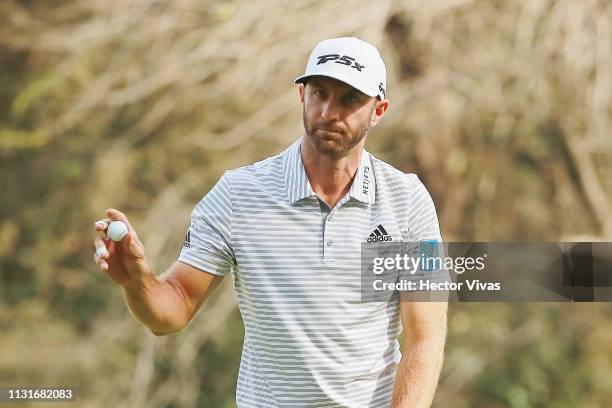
{"x": 350, "y": 60}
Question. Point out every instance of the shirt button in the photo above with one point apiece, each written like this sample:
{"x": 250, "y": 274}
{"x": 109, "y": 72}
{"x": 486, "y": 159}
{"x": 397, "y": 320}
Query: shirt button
{"x": 330, "y": 217}
{"x": 330, "y": 242}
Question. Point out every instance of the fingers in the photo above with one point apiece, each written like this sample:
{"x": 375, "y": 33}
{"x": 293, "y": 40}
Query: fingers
{"x": 101, "y": 256}
{"x": 102, "y": 225}
{"x": 102, "y": 244}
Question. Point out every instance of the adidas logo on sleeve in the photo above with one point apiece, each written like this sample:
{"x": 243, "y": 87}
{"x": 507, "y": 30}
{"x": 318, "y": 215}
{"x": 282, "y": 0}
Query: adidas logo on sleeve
{"x": 379, "y": 234}
{"x": 187, "y": 243}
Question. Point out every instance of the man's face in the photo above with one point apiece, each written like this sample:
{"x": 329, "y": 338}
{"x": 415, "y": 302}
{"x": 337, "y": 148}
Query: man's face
{"x": 336, "y": 116}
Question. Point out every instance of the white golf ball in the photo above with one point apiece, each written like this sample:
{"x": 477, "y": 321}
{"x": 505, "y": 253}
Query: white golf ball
{"x": 117, "y": 230}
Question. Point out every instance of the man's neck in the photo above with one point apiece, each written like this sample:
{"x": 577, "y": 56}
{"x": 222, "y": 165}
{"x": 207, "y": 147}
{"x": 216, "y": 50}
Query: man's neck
{"x": 330, "y": 177}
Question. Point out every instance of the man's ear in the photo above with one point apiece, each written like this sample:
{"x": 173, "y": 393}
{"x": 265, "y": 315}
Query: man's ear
{"x": 301, "y": 89}
{"x": 380, "y": 107}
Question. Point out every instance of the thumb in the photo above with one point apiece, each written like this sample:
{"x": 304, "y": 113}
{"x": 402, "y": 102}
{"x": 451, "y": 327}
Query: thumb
{"x": 132, "y": 246}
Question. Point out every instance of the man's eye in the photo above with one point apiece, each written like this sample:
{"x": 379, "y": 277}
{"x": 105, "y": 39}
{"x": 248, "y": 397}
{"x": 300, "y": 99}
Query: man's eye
{"x": 318, "y": 92}
{"x": 351, "y": 98}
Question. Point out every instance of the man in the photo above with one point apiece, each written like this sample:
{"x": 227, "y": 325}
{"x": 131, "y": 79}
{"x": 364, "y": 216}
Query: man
{"x": 289, "y": 230}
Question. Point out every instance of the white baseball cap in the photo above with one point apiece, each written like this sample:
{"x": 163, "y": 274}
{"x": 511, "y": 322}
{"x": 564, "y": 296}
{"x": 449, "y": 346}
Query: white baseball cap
{"x": 350, "y": 60}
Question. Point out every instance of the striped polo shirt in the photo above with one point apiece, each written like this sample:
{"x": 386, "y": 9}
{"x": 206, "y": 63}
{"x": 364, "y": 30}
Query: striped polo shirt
{"x": 309, "y": 339}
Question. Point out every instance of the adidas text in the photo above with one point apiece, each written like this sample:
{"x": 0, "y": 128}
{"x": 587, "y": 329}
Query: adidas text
{"x": 381, "y": 238}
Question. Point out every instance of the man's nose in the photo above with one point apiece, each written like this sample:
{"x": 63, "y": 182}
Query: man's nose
{"x": 330, "y": 110}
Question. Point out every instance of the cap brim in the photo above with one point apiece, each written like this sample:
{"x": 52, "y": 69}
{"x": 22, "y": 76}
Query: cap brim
{"x": 336, "y": 75}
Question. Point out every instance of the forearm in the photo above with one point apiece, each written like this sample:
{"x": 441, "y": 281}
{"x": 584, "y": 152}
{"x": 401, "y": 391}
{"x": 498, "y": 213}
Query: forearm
{"x": 157, "y": 304}
{"x": 418, "y": 373}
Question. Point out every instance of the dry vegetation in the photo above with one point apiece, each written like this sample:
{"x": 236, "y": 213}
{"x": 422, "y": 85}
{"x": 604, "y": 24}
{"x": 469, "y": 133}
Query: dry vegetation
{"x": 501, "y": 107}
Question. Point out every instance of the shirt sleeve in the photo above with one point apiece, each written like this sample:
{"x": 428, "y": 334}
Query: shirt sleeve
{"x": 424, "y": 219}
{"x": 208, "y": 243}
{"x": 425, "y": 242}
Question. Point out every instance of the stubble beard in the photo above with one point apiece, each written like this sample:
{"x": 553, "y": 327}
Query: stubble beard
{"x": 344, "y": 141}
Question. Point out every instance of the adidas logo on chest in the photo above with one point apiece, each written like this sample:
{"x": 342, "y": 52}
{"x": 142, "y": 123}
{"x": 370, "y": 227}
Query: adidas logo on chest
{"x": 379, "y": 234}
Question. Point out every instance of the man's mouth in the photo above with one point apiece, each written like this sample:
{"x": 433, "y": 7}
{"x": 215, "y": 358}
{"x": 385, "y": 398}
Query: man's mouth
{"x": 331, "y": 130}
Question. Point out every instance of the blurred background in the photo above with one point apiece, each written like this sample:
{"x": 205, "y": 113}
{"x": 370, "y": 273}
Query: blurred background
{"x": 502, "y": 107}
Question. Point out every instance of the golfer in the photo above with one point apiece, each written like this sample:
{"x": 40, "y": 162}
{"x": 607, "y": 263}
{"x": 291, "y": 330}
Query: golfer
{"x": 289, "y": 231}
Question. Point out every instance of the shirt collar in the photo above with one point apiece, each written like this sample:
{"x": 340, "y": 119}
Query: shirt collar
{"x": 364, "y": 183}
{"x": 298, "y": 187}
{"x": 296, "y": 180}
